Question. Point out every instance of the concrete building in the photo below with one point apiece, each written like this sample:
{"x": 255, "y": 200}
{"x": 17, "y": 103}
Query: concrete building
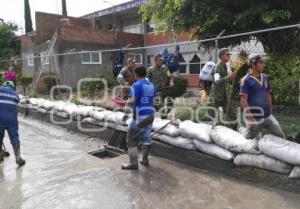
{"x": 73, "y": 35}
{"x": 112, "y": 28}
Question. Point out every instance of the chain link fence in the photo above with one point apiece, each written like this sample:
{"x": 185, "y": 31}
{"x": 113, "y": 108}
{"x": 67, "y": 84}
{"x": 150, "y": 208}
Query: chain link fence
{"x": 70, "y": 64}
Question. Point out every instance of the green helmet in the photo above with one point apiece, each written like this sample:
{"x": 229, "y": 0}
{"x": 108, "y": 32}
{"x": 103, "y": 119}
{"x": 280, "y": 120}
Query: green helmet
{"x": 9, "y": 83}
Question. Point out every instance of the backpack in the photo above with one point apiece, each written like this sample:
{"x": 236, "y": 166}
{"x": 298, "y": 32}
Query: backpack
{"x": 172, "y": 63}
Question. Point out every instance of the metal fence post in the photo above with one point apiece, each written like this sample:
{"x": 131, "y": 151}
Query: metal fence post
{"x": 217, "y": 44}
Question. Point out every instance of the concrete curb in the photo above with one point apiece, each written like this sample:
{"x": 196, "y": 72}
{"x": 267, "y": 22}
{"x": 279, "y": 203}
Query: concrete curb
{"x": 195, "y": 159}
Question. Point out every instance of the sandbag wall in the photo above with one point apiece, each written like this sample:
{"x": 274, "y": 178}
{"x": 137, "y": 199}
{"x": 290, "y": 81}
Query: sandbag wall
{"x": 269, "y": 152}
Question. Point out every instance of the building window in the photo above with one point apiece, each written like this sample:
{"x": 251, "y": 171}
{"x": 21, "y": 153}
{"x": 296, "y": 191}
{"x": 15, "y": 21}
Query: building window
{"x": 150, "y": 60}
{"x": 182, "y": 65}
{"x": 137, "y": 57}
{"x": 195, "y": 65}
{"x": 91, "y": 58}
{"x": 44, "y": 60}
{"x": 30, "y": 59}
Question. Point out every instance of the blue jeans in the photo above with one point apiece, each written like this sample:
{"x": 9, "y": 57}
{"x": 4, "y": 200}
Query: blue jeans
{"x": 13, "y": 133}
{"x": 142, "y": 134}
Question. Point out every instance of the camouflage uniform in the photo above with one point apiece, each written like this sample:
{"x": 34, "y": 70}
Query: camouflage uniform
{"x": 220, "y": 93}
{"x": 126, "y": 76}
{"x": 161, "y": 78}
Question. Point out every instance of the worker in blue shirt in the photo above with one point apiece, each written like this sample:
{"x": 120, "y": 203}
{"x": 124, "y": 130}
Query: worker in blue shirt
{"x": 141, "y": 100}
{"x": 9, "y": 100}
{"x": 256, "y": 100}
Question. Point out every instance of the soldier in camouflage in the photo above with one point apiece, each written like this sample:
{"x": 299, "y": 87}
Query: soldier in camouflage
{"x": 218, "y": 98}
{"x": 162, "y": 79}
{"x": 126, "y": 78}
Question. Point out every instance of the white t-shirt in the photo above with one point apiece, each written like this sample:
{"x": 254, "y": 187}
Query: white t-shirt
{"x": 206, "y": 71}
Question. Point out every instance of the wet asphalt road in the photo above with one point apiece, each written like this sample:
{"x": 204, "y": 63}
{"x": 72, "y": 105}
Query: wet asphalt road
{"x": 59, "y": 174}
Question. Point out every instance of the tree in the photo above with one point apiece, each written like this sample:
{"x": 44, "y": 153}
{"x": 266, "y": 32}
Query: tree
{"x": 28, "y": 21}
{"x": 64, "y": 8}
{"x": 210, "y": 17}
{"x": 8, "y": 41}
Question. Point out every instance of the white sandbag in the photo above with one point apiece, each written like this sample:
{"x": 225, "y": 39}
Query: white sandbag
{"x": 41, "y": 110}
{"x": 262, "y": 161}
{"x": 70, "y": 108}
{"x": 280, "y": 149}
{"x": 295, "y": 172}
{"x": 100, "y": 116}
{"x": 47, "y": 105}
{"x": 116, "y": 117}
{"x": 177, "y": 141}
{"x": 40, "y": 102}
{"x": 233, "y": 141}
{"x": 89, "y": 120}
{"x": 61, "y": 114}
{"x": 169, "y": 130}
{"x": 59, "y": 105}
{"x": 84, "y": 111}
{"x": 193, "y": 130}
{"x": 33, "y": 101}
{"x": 214, "y": 150}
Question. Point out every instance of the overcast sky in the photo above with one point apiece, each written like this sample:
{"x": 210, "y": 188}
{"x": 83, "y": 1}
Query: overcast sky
{"x": 13, "y": 10}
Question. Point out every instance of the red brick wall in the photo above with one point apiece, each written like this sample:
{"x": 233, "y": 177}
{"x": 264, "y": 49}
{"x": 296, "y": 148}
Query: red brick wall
{"x": 156, "y": 39}
{"x": 193, "y": 80}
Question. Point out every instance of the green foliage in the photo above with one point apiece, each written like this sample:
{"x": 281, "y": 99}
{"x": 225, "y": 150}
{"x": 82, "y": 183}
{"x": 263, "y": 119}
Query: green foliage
{"x": 27, "y": 12}
{"x": 50, "y": 81}
{"x": 25, "y": 81}
{"x": 92, "y": 88}
{"x": 8, "y": 41}
{"x": 284, "y": 72}
{"x": 180, "y": 87}
{"x": 64, "y": 8}
{"x": 210, "y": 17}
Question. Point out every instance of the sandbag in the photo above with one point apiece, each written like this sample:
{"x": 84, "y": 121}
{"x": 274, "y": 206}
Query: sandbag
{"x": 193, "y": 130}
{"x": 295, "y": 172}
{"x": 116, "y": 117}
{"x": 59, "y": 105}
{"x": 89, "y": 120}
{"x": 41, "y": 110}
{"x": 84, "y": 111}
{"x": 233, "y": 141}
{"x": 179, "y": 141}
{"x": 214, "y": 150}
{"x": 280, "y": 149}
{"x": 262, "y": 161}
{"x": 169, "y": 130}
{"x": 47, "y": 105}
{"x": 100, "y": 116}
{"x": 70, "y": 108}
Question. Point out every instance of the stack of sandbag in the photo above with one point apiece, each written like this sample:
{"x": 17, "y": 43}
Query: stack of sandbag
{"x": 283, "y": 150}
{"x": 178, "y": 141}
{"x": 169, "y": 130}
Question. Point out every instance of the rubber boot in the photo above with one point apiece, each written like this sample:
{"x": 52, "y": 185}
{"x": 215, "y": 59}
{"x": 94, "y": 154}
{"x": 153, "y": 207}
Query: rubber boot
{"x": 17, "y": 152}
{"x": 133, "y": 159}
{"x": 146, "y": 151}
{"x": 1, "y": 153}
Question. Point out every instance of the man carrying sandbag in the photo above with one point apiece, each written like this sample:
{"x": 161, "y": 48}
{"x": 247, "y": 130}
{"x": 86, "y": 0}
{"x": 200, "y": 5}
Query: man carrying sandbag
{"x": 256, "y": 101}
{"x": 162, "y": 79}
{"x": 9, "y": 119}
{"x": 141, "y": 99}
{"x": 126, "y": 78}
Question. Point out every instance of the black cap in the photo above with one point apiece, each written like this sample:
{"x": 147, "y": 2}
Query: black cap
{"x": 254, "y": 59}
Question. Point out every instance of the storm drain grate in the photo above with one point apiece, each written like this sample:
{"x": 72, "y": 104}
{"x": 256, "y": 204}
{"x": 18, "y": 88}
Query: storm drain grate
{"x": 107, "y": 153}
{"x": 116, "y": 146}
